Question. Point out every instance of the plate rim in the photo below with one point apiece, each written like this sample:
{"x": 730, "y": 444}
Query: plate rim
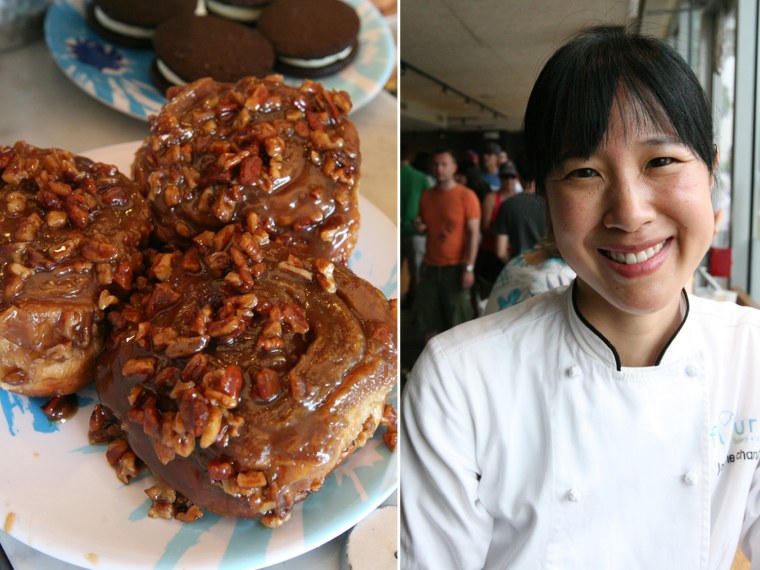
{"x": 385, "y": 41}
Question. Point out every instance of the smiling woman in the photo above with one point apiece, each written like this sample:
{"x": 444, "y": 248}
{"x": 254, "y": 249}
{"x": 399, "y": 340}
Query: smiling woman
{"x": 634, "y": 220}
{"x": 617, "y": 382}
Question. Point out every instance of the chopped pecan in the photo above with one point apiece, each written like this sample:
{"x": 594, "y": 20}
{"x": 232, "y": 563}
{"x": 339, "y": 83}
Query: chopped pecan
{"x": 184, "y": 346}
{"x": 104, "y": 273}
{"x": 299, "y": 390}
{"x": 199, "y": 324}
{"x": 141, "y": 368}
{"x": 251, "y": 479}
{"x": 266, "y": 384}
{"x": 223, "y": 386}
{"x": 295, "y": 316}
{"x": 390, "y": 421}
{"x": 20, "y": 270}
{"x": 16, "y": 203}
{"x": 172, "y": 195}
{"x": 123, "y": 275}
{"x": 195, "y": 411}
{"x": 167, "y": 380}
{"x": 251, "y": 221}
{"x": 195, "y": 368}
{"x": 163, "y": 336}
{"x": 104, "y": 425}
{"x": 220, "y": 470}
{"x": 62, "y": 250}
{"x": 250, "y": 170}
{"x": 226, "y": 327}
{"x": 124, "y": 461}
{"x": 162, "y": 296}
{"x": 105, "y": 300}
{"x": 213, "y": 428}
{"x": 289, "y": 267}
{"x": 162, "y": 497}
{"x": 13, "y": 286}
{"x": 79, "y": 217}
{"x": 97, "y": 251}
{"x": 162, "y": 266}
{"x": 325, "y": 276}
{"x": 270, "y": 344}
{"x": 28, "y": 228}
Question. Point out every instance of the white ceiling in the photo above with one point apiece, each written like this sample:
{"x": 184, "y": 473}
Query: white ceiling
{"x": 490, "y": 51}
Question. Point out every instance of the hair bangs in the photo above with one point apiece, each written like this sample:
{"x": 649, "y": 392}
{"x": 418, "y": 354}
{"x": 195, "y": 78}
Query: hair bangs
{"x": 569, "y": 108}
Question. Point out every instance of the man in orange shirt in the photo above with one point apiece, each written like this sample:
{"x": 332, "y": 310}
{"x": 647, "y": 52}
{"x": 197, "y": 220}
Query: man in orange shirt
{"x": 450, "y": 215}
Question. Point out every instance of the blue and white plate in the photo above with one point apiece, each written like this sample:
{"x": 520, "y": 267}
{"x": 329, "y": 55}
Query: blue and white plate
{"x": 59, "y": 495}
{"x": 120, "y": 77}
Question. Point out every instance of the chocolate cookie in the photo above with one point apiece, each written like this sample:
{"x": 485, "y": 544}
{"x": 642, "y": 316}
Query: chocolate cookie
{"x": 244, "y": 11}
{"x": 190, "y": 47}
{"x": 312, "y": 38}
{"x": 132, "y": 22}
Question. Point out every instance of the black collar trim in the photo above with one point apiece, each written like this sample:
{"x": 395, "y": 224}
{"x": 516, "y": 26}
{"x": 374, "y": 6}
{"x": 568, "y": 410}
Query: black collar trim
{"x": 618, "y": 364}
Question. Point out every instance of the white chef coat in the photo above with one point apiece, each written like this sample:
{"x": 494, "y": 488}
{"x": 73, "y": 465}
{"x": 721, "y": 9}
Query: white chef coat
{"x": 524, "y": 445}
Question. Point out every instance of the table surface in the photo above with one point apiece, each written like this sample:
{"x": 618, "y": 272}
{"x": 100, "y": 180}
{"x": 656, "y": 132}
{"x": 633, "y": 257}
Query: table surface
{"x": 43, "y": 107}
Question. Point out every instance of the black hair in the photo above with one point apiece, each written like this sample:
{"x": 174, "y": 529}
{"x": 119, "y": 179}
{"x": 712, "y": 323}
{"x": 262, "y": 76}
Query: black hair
{"x": 569, "y": 108}
{"x": 445, "y": 150}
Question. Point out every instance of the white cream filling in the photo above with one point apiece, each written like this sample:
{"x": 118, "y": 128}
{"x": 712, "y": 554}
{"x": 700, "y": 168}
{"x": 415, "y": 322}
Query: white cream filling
{"x": 168, "y": 74}
{"x": 632, "y": 258}
{"x": 320, "y": 62}
{"x": 120, "y": 27}
{"x": 240, "y": 13}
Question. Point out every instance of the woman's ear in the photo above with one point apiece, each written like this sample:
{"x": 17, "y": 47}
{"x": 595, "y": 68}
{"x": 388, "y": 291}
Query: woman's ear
{"x": 718, "y": 217}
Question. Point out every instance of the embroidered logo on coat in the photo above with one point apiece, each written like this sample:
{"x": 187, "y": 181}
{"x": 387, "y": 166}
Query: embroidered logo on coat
{"x": 733, "y": 431}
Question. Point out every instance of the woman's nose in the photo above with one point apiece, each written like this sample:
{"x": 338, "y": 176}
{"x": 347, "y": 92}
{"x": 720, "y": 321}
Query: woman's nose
{"x": 629, "y": 204}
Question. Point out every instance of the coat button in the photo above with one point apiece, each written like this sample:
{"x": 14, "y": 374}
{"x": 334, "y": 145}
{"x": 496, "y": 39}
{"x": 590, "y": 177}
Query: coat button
{"x": 573, "y": 495}
{"x": 573, "y": 371}
{"x": 691, "y": 370}
{"x": 690, "y": 478}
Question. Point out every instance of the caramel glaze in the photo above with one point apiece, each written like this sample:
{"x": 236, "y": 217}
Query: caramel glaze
{"x": 331, "y": 380}
{"x": 217, "y": 152}
{"x": 70, "y": 230}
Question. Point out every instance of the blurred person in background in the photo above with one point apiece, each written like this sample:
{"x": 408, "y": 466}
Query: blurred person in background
{"x": 449, "y": 215}
{"x": 489, "y": 265}
{"x": 490, "y": 165}
{"x": 412, "y": 183}
{"x": 519, "y": 223}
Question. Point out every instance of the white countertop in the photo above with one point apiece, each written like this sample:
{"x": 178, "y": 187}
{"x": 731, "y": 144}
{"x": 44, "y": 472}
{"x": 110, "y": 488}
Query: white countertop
{"x": 42, "y": 106}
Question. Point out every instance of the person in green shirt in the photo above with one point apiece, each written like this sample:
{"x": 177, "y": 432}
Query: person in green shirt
{"x": 412, "y": 183}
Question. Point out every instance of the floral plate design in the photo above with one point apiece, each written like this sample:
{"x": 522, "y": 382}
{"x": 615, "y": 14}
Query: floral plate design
{"x": 120, "y": 77}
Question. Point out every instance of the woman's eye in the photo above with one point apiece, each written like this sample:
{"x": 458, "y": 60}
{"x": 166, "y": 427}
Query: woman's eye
{"x": 582, "y": 173}
{"x": 661, "y": 161}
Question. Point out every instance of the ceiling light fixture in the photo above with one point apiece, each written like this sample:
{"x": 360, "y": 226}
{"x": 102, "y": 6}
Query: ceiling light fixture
{"x": 445, "y": 88}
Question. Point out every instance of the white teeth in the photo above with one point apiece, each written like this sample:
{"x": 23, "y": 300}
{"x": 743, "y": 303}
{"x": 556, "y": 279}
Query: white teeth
{"x": 631, "y": 258}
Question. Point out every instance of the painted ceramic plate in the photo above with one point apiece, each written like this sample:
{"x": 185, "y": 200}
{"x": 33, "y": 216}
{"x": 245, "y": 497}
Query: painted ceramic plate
{"x": 59, "y": 495}
{"x": 120, "y": 77}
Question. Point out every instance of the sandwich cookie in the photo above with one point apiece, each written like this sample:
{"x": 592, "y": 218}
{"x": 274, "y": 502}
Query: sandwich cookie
{"x": 312, "y": 38}
{"x": 132, "y": 23}
{"x": 190, "y": 47}
{"x": 244, "y": 11}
